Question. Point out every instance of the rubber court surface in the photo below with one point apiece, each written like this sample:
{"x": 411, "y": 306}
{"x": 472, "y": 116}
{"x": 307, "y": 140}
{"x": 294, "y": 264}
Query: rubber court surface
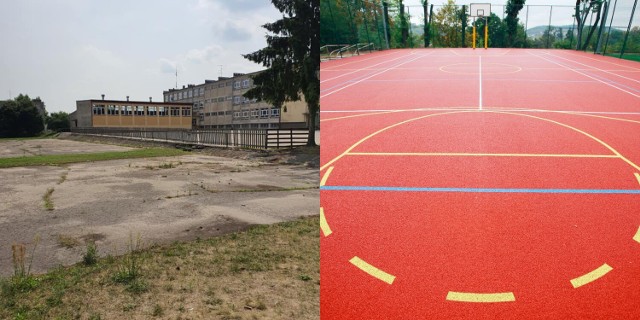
{"x": 483, "y": 184}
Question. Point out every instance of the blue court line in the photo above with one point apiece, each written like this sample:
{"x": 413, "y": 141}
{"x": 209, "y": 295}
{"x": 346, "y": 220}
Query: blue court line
{"x": 481, "y": 190}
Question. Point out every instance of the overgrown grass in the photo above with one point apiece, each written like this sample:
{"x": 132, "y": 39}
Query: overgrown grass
{"x": 52, "y": 160}
{"x": 44, "y": 136}
{"x": 265, "y": 272}
{"x": 46, "y": 198}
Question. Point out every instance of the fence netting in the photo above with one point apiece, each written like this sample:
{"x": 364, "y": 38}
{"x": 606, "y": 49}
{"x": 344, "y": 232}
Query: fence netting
{"x": 348, "y": 27}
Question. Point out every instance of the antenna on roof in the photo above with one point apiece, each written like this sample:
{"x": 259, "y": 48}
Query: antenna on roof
{"x": 176, "y": 76}
{"x": 220, "y": 71}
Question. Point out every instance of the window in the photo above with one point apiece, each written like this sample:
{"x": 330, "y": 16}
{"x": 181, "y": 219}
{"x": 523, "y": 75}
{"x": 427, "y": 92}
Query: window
{"x": 98, "y": 109}
{"x": 221, "y": 85}
{"x": 174, "y": 97}
{"x": 275, "y": 112}
{"x": 264, "y": 113}
{"x": 228, "y": 113}
{"x": 127, "y": 110}
{"x": 166, "y": 98}
{"x": 236, "y": 99}
{"x": 180, "y": 95}
{"x": 245, "y": 114}
{"x": 162, "y": 111}
{"x": 254, "y": 113}
{"x": 174, "y": 111}
{"x": 201, "y": 91}
{"x": 236, "y": 115}
{"x": 151, "y": 111}
{"x": 186, "y": 112}
{"x": 228, "y": 83}
{"x": 245, "y": 83}
{"x": 190, "y": 93}
{"x": 139, "y": 110}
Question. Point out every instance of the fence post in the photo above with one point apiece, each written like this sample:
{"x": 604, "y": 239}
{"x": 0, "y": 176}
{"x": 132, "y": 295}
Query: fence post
{"x": 606, "y": 42}
{"x": 624, "y": 44}
{"x": 290, "y": 138}
{"x": 385, "y": 22}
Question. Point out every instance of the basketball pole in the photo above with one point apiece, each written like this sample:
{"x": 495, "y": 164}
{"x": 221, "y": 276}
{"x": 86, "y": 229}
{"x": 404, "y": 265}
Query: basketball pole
{"x": 486, "y": 32}
{"x": 474, "y": 33}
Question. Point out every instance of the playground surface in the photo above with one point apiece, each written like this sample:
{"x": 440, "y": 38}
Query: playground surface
{"x": 461, "y": 183}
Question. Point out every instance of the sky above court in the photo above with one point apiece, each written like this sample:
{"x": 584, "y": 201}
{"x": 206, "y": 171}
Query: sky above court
{"x": 68, "y": 50}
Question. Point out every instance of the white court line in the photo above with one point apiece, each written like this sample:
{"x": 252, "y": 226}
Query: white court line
{"x": 358, "y": 70}
{"x": 480, "y": 91}
{"x": 592, "y": 68}
{"x": 606, "y": 61}
{"x": 371, "y": 76}
{"x": 586, "y": 75}
{"x": 472, "y": 109}
{"x": 360, "y": 60}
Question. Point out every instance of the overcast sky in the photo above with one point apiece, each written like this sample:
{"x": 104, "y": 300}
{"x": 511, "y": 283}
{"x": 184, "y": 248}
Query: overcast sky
{"x": 68, "y": 50}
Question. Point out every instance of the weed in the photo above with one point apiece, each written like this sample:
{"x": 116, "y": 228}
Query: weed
{"x": 129, "y": 269}
{"x": 95, "y": 316}
{"x": 67, "y": 241}
{"x": 157, "y": 311}
{"x": 137, "y": 286}
{"x": 90, "y": 257}
{"x": 129, "y": 306}
{"x": 48, "y": 202}
{"x": 304, "y": 277}
{"x": 63, "y": 177}
{"x": 165, "y": 165}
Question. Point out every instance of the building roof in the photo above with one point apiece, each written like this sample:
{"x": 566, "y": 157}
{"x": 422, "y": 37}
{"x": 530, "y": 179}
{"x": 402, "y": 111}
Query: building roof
{"x": 137, "y": 102}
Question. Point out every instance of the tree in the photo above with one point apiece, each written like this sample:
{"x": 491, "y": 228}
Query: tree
{"x": 582, "y": 10}
{"x": 511, "y": 20}
{"x": 58, "y": 121}
{"x": 20, "y": 118}
{"x": 448, "y": 25}
{"x": 292, "y": 58}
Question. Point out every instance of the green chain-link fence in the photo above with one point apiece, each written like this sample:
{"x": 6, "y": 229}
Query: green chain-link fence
{"x": 611, "y": 27}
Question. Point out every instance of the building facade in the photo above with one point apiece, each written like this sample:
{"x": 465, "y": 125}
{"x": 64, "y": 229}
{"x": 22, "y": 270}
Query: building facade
{"x": 131, "y": 115}
{"x": 219, "y": 104}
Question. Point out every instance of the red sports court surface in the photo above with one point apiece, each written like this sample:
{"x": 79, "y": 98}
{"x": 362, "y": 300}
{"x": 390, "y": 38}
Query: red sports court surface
{"x": 461, "y": 183}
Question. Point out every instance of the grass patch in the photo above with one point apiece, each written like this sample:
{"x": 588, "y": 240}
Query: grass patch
{"x": 48, "y": 202}
{"x": 53, "y": 160}
{"x": 265, "y": 272}
{"x": 626, "y": 56}
{"x": 67, "y": 241}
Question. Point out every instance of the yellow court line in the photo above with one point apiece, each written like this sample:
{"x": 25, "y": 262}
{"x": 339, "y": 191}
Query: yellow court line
{"x": 456, "y": 154}
{"x": 372, "y": 271}
{"x": 383, "y": 130}
{"x": 346, "y": 152}
{"x": 591, "y": 276}
{"x": 480, "y": 297}
{"x": 596, "y": 116}
{"x": 325, "y": 177}
{"x": 637, "y": 236}
{"x": 577, "y": 130}
{"x": 637, "y": 176}
{"x": 323, "y": 224}
{"x": 356, "y": 115}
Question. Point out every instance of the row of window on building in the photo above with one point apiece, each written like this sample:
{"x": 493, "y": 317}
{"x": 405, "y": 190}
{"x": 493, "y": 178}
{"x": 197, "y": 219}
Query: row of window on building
{"x": 245, "y": 114}
{"x": 257, "y": 113}
{"x": 197, "y": 92}
{"x": 113, "y": 110}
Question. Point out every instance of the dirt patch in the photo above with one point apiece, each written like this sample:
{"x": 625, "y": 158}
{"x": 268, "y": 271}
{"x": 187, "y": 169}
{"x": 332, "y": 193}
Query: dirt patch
{"x": 199, "y": 195}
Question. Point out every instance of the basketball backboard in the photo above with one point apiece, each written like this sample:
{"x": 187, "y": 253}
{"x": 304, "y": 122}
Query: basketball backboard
{"x": 479, "y": 10}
